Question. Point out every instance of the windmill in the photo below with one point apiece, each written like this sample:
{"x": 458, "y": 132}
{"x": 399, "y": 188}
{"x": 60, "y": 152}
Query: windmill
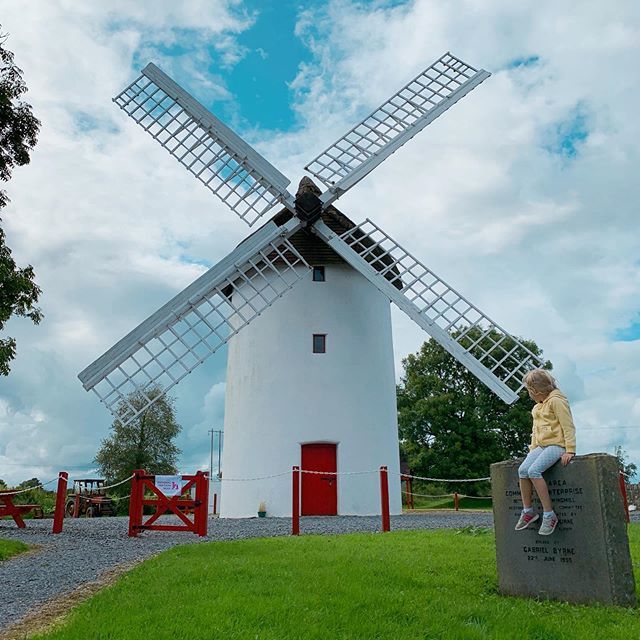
{"x": 303, "y": 303}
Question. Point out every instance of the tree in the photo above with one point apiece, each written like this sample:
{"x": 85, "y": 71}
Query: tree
{"x": 145, "y": 443}
{"x": 451, "y": 425}
{"x": 628, "y": 468}
{"x": 18, "y": 135}
{"x": 29, "y": 484}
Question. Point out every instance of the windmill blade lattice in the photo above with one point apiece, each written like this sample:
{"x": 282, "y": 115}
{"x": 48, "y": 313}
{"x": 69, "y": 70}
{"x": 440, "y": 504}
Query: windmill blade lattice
{"x": 400, "y": 118}
{"x": 494, "y": 356}
{"x": 229, "y": 167}
{"x": 170, "y": 344}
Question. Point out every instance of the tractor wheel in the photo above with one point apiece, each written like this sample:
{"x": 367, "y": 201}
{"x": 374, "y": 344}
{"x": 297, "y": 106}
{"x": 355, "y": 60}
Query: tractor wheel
{"x": 69, "y": 508}
{"x": 91, "y": 512}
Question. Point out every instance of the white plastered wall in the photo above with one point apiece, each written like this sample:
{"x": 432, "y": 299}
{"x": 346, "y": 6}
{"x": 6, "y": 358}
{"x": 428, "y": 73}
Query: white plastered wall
{"x": 280, "y": 395}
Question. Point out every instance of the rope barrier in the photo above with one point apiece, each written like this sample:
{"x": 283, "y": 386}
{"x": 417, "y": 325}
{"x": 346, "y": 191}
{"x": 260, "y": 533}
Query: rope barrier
{"x": 117, "y": 484}
{"x": 110, "y": 486}
{"x": 406, "y": 475}
{"x": 425, "y": 495}
{"x": 339, "y": 473}
{"x": 275, "y": 475}
{"x": 39, "y": 486}
{"x": 447, "y": 495}
{"x": 120, "y": 498}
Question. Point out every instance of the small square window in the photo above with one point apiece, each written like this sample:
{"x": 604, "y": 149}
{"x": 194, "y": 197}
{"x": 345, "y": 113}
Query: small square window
{"x": 318, "y": 274}
{"x": 319, "y": 343}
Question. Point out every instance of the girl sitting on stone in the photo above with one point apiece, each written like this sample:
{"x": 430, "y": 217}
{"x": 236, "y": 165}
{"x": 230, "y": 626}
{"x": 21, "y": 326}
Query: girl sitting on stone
{"x": 553, "y": 438}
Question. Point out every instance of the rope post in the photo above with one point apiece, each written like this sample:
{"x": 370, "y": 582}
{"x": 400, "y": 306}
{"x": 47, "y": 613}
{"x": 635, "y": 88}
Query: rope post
{"x": 456, "y": 501}
{"x": 623, "y": 491}
{"x": 409, "y": 487}
{"x": 201, "y": 515}
{"x": 61, "y": 496}
{"x": 135, "y": 502}
{"x": 215, "y": 504}
{"x": 295, "y": 507}
{"x": 384, "y": 498}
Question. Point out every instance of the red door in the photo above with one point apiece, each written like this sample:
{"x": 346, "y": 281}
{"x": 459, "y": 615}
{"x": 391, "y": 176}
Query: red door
{"x": 319, "y": 492}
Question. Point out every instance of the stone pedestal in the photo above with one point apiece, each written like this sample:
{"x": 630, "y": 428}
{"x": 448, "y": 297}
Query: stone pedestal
{"x": 587, "y": 557}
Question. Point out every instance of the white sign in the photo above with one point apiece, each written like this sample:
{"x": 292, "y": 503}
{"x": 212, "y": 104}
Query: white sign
{"x": 169, "y": 485}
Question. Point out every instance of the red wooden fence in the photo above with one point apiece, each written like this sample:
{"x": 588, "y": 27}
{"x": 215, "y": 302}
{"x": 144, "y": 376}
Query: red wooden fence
{"x": 178, "y": 505}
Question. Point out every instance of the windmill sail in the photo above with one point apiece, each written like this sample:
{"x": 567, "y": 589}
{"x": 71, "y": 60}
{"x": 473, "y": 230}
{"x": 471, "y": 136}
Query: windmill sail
{"x": 490, "y": 353}
{"x": 392, "y": 124}
{"x": 197, "y": 322}
{"x": 229, "y": 167}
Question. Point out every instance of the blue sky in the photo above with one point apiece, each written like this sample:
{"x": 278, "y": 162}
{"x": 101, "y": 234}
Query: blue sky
{"x": 629, "y": 333}
{"x": 269, "y": 59}
{"x": 260, "y": 81}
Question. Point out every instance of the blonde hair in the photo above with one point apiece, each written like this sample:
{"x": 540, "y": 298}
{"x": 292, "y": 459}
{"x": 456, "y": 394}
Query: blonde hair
{"x": 539, "y": 380}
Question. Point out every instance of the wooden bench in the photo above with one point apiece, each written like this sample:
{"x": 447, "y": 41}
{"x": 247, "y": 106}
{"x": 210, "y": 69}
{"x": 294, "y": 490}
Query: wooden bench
{"x": 16, "y": 511}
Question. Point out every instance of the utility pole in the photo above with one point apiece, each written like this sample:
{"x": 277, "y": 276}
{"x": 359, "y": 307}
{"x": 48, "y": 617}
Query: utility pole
{"x": 219, "y": 432}
{"x": 211, "y": 456}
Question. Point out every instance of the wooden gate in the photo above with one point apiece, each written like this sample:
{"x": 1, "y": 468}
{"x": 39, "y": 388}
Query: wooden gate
{"x": 177, "y": 505}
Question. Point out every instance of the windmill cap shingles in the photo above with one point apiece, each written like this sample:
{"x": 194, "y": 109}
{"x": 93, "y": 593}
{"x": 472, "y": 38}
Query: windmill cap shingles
{"x": 315, "y": 250}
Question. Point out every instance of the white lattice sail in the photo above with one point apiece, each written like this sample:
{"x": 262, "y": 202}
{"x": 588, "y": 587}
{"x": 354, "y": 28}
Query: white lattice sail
{"x": 229, "y": 167}
{"x": 395, "y": 122}
{"x": 484, "y": 347}
{"x": 170, "y": 344}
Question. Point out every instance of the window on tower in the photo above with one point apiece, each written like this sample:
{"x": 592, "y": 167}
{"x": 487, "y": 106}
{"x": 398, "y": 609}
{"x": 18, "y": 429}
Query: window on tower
{"x": 319, "y": 343}
{"x": 318, "y": 274}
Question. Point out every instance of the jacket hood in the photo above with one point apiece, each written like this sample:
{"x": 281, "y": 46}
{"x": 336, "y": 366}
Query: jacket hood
{"x": 556, "y": 393}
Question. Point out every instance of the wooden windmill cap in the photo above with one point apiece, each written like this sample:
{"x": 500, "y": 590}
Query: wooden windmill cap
{"x": 316, "y": 251}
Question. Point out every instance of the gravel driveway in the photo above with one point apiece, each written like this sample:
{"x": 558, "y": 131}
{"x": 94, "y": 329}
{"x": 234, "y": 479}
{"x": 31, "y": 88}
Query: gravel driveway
{"x": 89, "y": 547}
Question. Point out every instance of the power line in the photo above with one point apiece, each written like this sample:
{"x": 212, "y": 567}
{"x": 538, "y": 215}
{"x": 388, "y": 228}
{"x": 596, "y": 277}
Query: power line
{"x": 48, "y": 465}
{"x": 632, "y": 426}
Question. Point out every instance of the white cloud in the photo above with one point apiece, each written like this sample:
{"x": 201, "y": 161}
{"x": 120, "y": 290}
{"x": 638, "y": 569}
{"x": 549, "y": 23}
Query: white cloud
{"x": 544, "y": 243}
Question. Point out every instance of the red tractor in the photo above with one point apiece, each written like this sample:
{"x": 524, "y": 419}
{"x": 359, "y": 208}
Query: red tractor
{"x": 89, "y": 498}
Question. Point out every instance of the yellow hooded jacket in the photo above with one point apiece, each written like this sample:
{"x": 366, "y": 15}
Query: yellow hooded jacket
{"x": 553, "y": 424}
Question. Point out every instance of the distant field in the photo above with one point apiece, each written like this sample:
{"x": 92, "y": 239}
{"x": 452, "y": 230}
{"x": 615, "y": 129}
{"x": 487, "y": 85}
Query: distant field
{"x": 447, "y": 503}
{"x": 405, "y": 585}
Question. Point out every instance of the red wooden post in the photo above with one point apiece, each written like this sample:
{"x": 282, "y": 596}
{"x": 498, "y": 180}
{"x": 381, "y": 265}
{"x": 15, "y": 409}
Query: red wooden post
{"x": 215, "y": 503}
{"x": 201, "y": 515}
{"x": 408, "y": 485}
{"x": 135, "y": 502}
{"x": 456, "y": 501}
{"x": 384, "y": 498}
{"x": 623, "y": 491}
{"x": 295, "y": 507}
{"x": 61, "y": 499}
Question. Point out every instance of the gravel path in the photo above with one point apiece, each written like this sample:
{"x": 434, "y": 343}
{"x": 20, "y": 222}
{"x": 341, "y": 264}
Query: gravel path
{"x": 89, "y": 547}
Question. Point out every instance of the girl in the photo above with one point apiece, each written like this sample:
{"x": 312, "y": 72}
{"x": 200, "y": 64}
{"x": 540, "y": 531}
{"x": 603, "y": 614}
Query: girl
{"x": 553, "y": 438}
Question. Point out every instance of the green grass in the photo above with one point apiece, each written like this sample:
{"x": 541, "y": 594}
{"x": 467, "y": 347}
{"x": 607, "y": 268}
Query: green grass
{"x": 401, "y": 586}
{"x": 10, "y": 548}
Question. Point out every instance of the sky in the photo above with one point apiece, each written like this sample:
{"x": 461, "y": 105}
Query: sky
{"x": 523, "y": 196}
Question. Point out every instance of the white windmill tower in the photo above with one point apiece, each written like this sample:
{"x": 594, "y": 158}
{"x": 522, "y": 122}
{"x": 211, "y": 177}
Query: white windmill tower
{"x": 310, "y": 379}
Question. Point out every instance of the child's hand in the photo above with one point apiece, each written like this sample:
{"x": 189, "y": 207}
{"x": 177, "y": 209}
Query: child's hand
{"x": 566, "y": 458}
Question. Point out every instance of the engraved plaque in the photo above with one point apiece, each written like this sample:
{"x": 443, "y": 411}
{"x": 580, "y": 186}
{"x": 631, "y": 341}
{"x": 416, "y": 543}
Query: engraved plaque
{"x": 586, "y": 559}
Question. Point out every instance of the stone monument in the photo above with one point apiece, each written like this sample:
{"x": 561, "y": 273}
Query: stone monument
{"x": 587, "y": 557}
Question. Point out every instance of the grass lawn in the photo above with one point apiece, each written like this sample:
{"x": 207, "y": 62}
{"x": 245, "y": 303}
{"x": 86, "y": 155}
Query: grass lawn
{"x": 401, "y": 586}
{"x": 10, "y": 548}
